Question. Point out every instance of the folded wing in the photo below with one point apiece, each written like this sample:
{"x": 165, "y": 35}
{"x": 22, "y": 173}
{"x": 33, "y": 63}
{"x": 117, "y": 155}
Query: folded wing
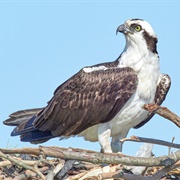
{"x": 84, "y": 100}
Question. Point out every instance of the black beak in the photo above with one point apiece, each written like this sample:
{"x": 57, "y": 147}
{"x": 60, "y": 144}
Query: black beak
{"x": 123, "y": 29}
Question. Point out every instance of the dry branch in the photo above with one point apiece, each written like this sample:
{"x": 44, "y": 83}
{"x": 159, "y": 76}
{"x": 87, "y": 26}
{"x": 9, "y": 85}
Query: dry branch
{"x": 34, "y": 151}
{"x": 52, "y": 173}
{"x": 20, "y": 163}
{"x": 150, "y": 140}
{"x": 108, "y": 158}
{"x": 164, "y": 112}
{"x": 125, "y": 176}
{"x": 101, "y": 158}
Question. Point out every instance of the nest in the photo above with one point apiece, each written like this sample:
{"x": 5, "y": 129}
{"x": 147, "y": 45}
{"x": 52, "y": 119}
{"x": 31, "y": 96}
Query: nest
{"x": 30, "y": 166}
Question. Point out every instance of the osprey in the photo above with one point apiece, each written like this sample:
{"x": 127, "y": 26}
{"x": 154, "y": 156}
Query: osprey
{"x": 104, "y": 100}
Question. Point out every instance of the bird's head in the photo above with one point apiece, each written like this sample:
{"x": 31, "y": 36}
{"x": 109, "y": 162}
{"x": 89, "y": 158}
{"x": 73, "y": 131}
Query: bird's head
{"x": 139, "y": 32}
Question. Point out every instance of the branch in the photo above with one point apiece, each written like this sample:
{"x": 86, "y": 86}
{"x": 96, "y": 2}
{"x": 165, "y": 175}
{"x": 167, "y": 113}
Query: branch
{"x": 7, "y": 163}
{"x": 20, "y": 163}
{"x": 53, "y": 172}
{"x": 34, "y": 151}
{"x": 99, "y": 158}
{"x": 164, "y": 112}
{"x": 109, "y": 158}
{"x": 125, "y": 176}
{"x": 150, "y": 140}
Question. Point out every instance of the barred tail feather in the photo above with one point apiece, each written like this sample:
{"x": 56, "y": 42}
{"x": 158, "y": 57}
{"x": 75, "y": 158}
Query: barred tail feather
{"x": 23, "y": 120}
{"x": 21, "y": 116}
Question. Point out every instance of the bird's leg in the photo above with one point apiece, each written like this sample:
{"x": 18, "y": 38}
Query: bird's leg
{"x": 104, "y": 133}
{"x": 116, "y": 144}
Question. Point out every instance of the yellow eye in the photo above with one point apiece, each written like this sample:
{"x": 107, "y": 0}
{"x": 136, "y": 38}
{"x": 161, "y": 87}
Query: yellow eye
{"x": 138, "y": 28}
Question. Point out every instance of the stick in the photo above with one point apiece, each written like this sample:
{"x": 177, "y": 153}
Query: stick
{"x": 164, "y": 112}
{"x": 150, "y": 140}
{"x": 20, "y": 163}
{"x": 100, "y": 158}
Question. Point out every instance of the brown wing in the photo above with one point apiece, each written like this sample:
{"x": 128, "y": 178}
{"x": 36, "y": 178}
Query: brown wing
{"x": 87, "y": 99}
{"x": 161, "y": 92}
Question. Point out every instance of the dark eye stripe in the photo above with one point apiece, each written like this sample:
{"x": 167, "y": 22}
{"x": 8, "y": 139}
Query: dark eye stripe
{"x": 133, "y": 26}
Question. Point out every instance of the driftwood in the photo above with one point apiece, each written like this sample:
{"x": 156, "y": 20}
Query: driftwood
{"x": 68, "y": 163}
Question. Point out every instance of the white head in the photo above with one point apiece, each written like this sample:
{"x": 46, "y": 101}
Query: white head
{"x": 140, "y": 33}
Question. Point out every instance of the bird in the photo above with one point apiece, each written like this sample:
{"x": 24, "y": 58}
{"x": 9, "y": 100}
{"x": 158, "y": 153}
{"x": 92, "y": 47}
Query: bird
{"x": 102, "y": 102}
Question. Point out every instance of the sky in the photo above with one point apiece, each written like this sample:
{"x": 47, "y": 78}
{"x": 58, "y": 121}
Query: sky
{"x": 43, "y": 43}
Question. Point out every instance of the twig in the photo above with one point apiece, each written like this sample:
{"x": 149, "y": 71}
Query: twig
{"x": 7, "y": 163}
{"x": 52, "y": 173}
{"x": 169, "y": 149}
{"x": 78, "y": 176}
{"x": 28, "y": 150}
{"x": 29, "y": 174}
{"x": 165, "y": 170}
{"x": 150, "y": 140}
{"x": 85, "y": 165}
{"x": 20, "y": 163}
{"x": 164, "y": 112}
{"x": 125, "y": 176}
{"x": 64, "y": 171}
{"x": 25, "y": 175}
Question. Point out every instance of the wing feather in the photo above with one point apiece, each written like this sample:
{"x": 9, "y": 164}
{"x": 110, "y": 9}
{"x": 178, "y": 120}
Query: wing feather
{"x": 161, "y": 92}
{"x": 87, "y": 99}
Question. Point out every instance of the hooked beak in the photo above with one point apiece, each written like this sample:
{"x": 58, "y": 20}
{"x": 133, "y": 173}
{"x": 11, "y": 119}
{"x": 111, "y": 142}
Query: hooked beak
{"x": 123, "y": 29}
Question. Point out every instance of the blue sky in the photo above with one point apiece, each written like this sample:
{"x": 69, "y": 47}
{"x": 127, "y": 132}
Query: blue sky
{"x": 42, "y": 43}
